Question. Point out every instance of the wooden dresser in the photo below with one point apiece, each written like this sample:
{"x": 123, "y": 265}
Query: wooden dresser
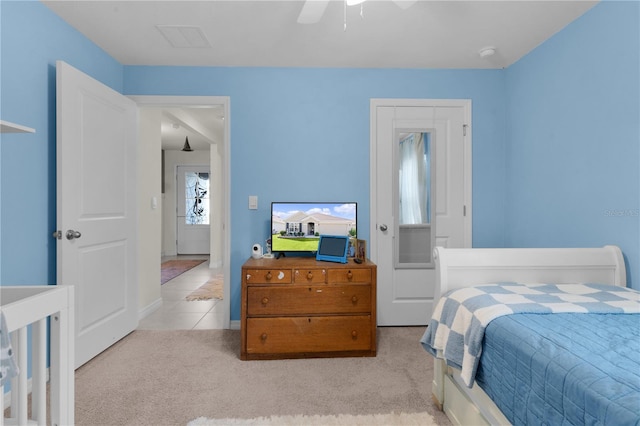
{"x": 297, "y": 307}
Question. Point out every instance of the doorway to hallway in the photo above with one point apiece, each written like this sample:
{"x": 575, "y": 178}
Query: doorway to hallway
{"x": 217, "y": 156}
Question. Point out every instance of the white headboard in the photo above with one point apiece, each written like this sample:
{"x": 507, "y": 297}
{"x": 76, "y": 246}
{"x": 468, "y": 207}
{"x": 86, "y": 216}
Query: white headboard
{"x": 456, "y": 268}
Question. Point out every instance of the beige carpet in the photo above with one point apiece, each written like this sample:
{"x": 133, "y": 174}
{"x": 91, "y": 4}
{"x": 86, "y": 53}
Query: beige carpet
{"x": 395, "y": 419}
{"x": 162, "y": 377}
{"x": 212, "y": 289}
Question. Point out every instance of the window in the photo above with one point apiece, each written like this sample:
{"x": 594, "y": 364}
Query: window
{"x": 197, "y": 198}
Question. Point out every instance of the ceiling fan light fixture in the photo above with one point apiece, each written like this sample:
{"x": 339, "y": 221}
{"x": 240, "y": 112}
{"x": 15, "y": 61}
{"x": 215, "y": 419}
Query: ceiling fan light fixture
{"x": 186, "y": 147}
{"x": 312, "y": 11}
{"x": 485, "y": 52}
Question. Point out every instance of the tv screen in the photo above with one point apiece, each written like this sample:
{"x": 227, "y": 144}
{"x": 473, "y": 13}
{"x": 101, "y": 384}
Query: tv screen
{"x": 297, "y": 226}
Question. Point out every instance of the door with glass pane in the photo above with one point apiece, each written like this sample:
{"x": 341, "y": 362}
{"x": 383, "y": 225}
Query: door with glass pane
{"x": 420, "y": 199}
{"x": 193, "y": 210}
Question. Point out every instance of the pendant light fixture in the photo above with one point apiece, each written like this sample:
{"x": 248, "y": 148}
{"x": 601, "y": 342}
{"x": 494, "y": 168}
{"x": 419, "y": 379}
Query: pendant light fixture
{"x": 352, "y": 3}
{"x": 186, "y": 146}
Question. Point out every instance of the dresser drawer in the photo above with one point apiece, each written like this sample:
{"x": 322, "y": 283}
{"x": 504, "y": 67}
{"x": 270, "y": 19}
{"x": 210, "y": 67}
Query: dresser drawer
{"x": 310, "y": 276}
{"x": 308, "y": 334}
{"x": 268, "y": 276}
{"x": 308, "y": 300}
{"x": 354, "y": 275}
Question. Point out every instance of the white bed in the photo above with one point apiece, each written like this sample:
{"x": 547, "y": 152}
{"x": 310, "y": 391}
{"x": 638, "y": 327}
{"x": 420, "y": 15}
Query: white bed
{"x": 40, "y": 308}
{"x": 457, "y": 268}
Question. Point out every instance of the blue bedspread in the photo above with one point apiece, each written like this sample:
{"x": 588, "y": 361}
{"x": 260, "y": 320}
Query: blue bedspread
{"x": 563, "y": 369}
{"x": 456, "y": 329}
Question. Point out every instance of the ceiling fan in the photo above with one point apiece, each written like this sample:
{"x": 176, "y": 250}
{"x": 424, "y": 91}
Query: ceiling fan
{"x": 312, "y": 10}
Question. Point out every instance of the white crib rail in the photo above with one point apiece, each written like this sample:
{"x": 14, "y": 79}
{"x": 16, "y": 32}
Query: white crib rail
{"x": 23, "y": 306}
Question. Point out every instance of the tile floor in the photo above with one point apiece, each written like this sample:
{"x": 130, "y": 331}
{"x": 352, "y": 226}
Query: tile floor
{"x": 176, "y": 313}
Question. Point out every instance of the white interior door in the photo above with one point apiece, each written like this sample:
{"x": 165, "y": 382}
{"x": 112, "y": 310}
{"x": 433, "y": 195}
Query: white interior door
{"x": 193, "y": 209}
{"x": 96, "y": 208}
{"x": 402, "y": 240}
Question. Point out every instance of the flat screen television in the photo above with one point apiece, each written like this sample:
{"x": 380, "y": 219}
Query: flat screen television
{"x": 297, "y": 226}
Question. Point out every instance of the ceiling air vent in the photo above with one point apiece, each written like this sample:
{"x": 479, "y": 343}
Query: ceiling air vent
{"x": 181, "y": 36}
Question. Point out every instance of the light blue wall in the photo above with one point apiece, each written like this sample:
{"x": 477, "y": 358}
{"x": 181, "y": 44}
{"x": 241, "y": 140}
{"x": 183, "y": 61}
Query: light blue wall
{"x": 33, "y": 38}
{"x": 583, "y": 84}
{"x": 573, "y": 137}
{"x": 319, "y": 116}
{"x": 303, "y": 135}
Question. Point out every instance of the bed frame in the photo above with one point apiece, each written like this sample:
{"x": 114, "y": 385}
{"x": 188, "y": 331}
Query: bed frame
{"x": 457, "y": 268}
{"x": 35, "y": 307}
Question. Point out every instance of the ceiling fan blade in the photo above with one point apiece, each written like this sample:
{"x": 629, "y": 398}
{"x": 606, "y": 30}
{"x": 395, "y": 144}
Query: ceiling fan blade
{"x": 404, "y": 4}
{"x": 312, "y": 11}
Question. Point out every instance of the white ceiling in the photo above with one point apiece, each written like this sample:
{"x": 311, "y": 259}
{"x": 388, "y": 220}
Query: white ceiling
{"x": 429, "y": 34}
{"x": 265, "y": 33}
{"x": 203, "y": 126}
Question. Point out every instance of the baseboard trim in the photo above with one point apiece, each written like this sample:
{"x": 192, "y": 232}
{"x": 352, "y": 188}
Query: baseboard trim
{"x": 234, "y": 325}
{"x": 150, "y": 308}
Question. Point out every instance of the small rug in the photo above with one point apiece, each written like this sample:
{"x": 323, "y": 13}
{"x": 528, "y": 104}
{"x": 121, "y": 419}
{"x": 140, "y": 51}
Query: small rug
{"x": 172, "y": 268}
{"x": 212, "y": 289}
{"x": 401, "y": 419}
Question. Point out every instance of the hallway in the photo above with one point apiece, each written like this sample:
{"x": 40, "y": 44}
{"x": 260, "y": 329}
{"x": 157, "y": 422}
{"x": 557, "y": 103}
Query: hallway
{"x": 176, "y": 313}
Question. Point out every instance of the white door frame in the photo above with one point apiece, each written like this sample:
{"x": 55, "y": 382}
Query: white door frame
{"x": 194, "y": 101}
{"x": 467, "y": 161}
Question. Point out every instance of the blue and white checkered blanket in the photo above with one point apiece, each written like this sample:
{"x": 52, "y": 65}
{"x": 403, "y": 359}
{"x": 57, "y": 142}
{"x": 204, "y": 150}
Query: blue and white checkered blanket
{"x": 456, "y": 329}
{"x": 8, "y": 366}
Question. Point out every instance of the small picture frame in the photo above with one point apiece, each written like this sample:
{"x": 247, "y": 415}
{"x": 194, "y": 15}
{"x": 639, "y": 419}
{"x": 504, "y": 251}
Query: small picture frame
{"x": 352, "y": 247}
{"x": 361, "y": 250}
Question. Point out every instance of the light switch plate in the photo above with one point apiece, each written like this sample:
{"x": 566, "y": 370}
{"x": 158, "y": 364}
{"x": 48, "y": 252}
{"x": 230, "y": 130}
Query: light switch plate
{"x": 253, "y": 202}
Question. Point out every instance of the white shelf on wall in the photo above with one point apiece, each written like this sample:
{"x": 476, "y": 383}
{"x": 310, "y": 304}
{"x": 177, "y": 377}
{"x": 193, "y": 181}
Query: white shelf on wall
{"x": 7, "y": 127}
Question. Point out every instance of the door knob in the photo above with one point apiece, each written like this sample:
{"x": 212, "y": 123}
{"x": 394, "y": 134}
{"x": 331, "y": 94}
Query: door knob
{"x": 71, "y": 234}
{"x": 383, "y": 227}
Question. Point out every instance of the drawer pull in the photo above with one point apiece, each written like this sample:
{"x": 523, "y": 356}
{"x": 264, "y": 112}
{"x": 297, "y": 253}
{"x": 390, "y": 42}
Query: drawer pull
{"x": 354, "y": 334}
{"x": 309, "y": 276}
{"x": 268, "y": 276}
{"x": 265, "y": 300}
{"x": 349, "y": 275}
{"x": 354, "y": 299}
{"x": 263, "y": 336}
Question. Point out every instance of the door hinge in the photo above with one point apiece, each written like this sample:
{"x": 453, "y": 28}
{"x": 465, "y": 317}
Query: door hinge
{"x": 464, "y": 129}
{"x": 464, "y": 210}
{"x": 57, "y": 235}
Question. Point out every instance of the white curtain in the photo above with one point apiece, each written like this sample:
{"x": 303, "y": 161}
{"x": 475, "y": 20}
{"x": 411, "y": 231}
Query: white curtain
{"x": 414, "y": 180}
